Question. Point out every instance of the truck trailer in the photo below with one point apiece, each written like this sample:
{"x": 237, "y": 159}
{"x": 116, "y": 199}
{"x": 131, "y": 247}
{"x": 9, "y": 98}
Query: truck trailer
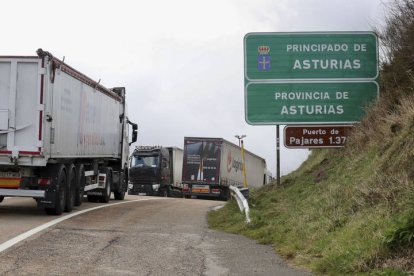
{"x": 155, "y": 170}
{"x": 62, "y": 134}
{"x": 211, "y": 165}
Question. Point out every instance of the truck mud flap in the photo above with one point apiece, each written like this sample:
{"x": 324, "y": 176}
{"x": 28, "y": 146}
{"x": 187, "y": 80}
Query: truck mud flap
{"x": 49, "y": 201}
{"x": 94, "y": 192}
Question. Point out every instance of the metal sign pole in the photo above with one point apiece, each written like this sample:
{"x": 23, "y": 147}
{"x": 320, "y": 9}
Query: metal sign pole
{"x": 277, "y": 155}
{"x": 244, "y": 166}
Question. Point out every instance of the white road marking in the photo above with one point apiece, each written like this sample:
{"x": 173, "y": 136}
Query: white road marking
{"x": 218, "y": 207}
{"x": 36, "y": 230}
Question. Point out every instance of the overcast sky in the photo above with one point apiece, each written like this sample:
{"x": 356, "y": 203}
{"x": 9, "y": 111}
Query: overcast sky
{"x": 181, "y": 61}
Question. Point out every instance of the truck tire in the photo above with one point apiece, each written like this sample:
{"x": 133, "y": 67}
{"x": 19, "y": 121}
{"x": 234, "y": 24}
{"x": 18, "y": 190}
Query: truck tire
{"x": 120, "y": 193}
{"x": 106, "y": 193}
{"x": 93, "y": 198}
{"x": 70, "y": 188}
{"x": 80, "y": 185}
{"x": 163, "y": 192}
{"x": 225, "y": 194}
{"x": 60, "y": 194}
{"x": 169, "y": 191}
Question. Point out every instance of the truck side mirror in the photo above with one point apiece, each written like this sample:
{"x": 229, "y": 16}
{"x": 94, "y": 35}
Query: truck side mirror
{"x": 134, "y": 133}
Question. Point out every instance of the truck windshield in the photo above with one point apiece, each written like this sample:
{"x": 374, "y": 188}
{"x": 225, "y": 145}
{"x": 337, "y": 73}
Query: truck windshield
{"x": 145, "y": 161}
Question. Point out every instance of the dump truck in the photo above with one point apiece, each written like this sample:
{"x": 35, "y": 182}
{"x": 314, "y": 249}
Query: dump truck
{"x": 211, "y": 165}
{"x": 155, "y": 171}
{"x": 62, "y": 134}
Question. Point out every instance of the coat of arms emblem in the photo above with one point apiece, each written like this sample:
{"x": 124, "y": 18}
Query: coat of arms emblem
{"x": 263, "y": 59}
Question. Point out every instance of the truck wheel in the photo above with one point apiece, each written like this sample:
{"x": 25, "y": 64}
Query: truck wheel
{"x": 80, "y": 185}
{"x": 106, "y": 194}
{"x": 169, "y": 191}
{"x": 1, "y": 198}
{"x": 60, "y": 194}
{"x": 163, "y": 192}
{"x": 120, "y": 193}
{"x": 70, "y": 188}
{"x": 93, "y": 198}
{"x": 225, "y": 194}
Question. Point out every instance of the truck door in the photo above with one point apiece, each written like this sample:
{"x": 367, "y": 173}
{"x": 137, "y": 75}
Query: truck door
{"x": 201, "y": 161}
{"x": 21, "y": 106}
{"x": 165, "y": 168}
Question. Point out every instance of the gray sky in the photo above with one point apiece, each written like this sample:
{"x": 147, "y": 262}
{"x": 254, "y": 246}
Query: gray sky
{"x": 181, "y": 61}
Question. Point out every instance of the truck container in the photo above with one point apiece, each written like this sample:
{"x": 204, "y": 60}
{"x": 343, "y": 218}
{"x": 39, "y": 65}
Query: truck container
{"x": 61, "y": 134}
{"x": 211, "y": 165}
{"x": 155, "y": 170}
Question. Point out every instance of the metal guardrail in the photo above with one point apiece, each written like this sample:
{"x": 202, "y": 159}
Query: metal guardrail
{"x": 242, "y": 202}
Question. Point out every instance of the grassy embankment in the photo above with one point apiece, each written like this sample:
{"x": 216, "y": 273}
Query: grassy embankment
{"x": 343, "y": 211}
{"x": 350, "y": 210}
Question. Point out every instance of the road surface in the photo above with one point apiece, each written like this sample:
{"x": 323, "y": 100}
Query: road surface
{"x": 151, "y": 236}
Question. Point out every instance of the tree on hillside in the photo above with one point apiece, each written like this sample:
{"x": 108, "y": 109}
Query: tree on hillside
{"x": 397, "y": 41}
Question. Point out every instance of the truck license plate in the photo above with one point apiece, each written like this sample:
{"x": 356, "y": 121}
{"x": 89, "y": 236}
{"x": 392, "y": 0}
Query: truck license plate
{"x": 9, "y": 174}
{"x": 200, "y": 189}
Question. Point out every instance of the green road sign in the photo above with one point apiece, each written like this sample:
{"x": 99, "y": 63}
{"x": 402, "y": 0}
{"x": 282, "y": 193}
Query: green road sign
{"x": 311, "y": 102}
{"x": 310, "y": 56}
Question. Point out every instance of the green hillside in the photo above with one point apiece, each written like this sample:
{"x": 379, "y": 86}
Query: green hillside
{"x": 350, "y": 210}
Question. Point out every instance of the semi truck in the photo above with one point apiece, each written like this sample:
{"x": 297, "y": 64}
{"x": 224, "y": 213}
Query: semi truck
{"x": 62, "y": 134}
{"x": 155, "y": 170}
{"x": 211, "y": 165}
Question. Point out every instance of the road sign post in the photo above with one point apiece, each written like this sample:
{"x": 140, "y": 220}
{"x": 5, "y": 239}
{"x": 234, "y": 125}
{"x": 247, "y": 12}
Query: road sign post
{"x": 277, "y": 155}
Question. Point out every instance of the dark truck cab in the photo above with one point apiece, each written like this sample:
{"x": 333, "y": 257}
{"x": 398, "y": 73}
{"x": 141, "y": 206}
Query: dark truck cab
{"x": 156, "y": 170}
{"x": 150, "y": 172}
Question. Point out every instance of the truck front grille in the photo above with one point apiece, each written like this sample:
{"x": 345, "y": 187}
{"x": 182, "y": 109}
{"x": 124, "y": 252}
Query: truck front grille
{"x": 142, "y": 180}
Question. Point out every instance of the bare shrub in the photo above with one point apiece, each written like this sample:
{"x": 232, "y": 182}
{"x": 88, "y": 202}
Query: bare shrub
{"x": 397, "y": 42}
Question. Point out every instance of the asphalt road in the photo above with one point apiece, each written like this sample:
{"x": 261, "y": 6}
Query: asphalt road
{"x": 159, "y": 236}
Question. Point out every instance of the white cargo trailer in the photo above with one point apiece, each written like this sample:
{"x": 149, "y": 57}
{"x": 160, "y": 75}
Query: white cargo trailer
{"x": 61, "y": 134}
{"x": 211, "y": 165}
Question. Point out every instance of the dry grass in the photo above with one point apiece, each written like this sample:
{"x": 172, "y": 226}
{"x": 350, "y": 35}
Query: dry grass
{"x": 382, "y": 124}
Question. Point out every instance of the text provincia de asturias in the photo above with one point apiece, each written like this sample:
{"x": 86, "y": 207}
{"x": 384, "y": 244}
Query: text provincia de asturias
{"x": 322, "y": 109}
